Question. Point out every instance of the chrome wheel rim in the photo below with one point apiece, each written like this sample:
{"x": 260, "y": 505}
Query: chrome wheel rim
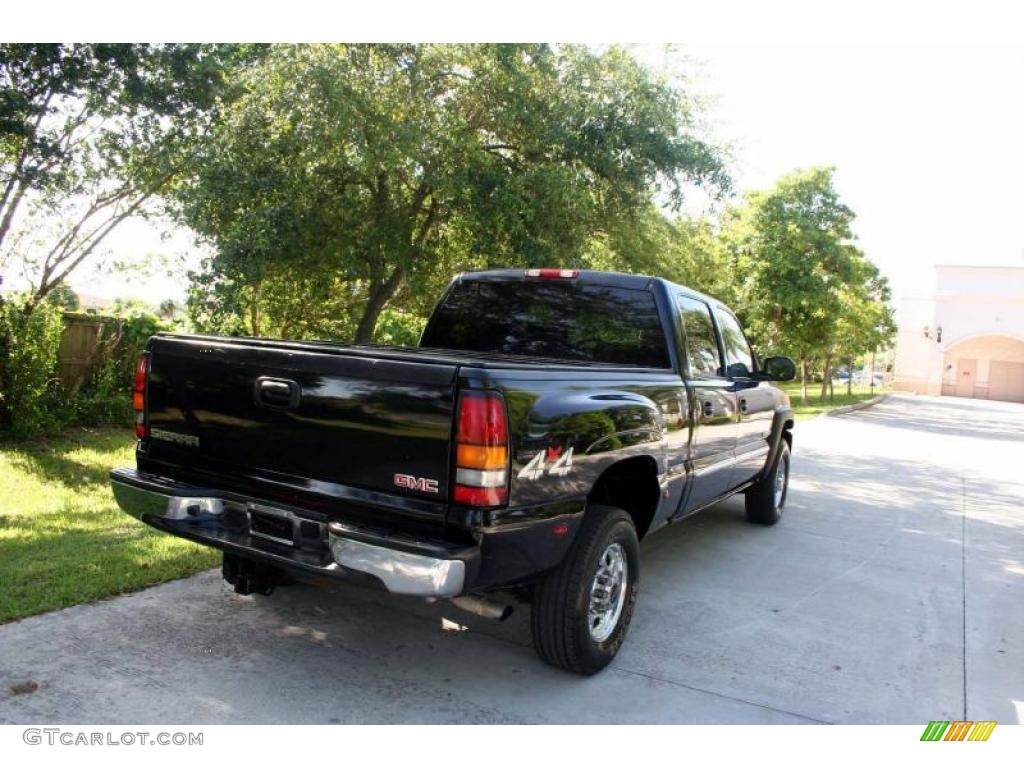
{"x": 781, "y": 476}
{"x": 608, "y": 592}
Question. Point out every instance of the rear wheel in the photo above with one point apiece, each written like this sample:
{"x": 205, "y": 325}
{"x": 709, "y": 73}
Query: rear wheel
{"x": 766, "y": 499}
{"x": 582, "y": 609}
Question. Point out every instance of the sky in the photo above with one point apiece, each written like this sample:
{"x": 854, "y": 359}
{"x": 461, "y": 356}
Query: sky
{"x": 927, "y": 138}
{"x": 927, "y": 141}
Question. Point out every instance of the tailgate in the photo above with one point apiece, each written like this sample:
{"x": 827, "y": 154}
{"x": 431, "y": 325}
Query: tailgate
{"x": 315, "y": 420}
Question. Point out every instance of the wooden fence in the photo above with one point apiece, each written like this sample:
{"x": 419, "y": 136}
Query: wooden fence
{"x": 87, "y": 342}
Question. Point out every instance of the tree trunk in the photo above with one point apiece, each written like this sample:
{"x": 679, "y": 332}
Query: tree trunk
{"x": 8, "y": 216}
{"x": 380, "y": 295}
{"x": 826, "y": 376}
{"x": 872, "y": 373}
{"x": 254, "y": 311}
{"x": 803, "y": 381}
{"x": 849, "y": 377}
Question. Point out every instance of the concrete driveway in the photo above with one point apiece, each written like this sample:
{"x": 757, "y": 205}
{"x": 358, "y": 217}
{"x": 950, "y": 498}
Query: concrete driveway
{"x": 892, "y": 591}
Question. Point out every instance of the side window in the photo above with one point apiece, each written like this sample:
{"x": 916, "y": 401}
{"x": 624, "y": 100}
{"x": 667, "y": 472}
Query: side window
{"x": 737, "y": 351}
{"x": 701, "y": 344}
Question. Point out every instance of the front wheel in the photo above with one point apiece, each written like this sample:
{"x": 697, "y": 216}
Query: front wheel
{"x": 582, "y": 609}
{"x": 766, "y": 499}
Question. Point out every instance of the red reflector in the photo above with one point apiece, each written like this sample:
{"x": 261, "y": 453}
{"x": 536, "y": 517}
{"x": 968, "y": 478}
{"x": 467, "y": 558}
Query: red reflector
{"x": 472, "y": 496}
{"x": 561, "y": 529}
{"x": 482, "y": 419}
{"x": 553, "y": 274}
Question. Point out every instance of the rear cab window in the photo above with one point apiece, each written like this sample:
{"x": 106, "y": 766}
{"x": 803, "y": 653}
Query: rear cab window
{"x": 559, "y": 319}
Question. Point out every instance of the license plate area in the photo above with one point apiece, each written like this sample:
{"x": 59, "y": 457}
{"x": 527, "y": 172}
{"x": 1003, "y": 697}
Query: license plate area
{"x": 275, "y": 525}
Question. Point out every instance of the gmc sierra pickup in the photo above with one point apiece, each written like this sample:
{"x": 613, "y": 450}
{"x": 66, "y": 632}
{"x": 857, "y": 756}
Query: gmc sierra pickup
{"x": 548, "y": 421}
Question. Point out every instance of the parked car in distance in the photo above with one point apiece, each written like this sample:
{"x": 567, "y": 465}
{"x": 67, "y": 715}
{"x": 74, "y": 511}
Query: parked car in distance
{"x": 549, "y": 420}
{"x": 877, "y": 379}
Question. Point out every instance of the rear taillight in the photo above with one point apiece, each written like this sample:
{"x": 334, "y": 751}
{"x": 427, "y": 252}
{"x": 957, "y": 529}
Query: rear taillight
{"x": 139, "y": 396}
{"x": 481, "y": 451}
{"x": 553, "y": 274}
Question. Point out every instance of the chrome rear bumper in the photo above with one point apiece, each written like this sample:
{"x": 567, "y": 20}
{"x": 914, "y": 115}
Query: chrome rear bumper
{"x": 403, "y": 573}
{"x": 332, "y": 549}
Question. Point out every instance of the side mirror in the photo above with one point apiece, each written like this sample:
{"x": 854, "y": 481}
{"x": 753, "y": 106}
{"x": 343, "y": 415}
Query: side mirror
{"x": 737, "y": 371}
{"x": 778, "y": 368}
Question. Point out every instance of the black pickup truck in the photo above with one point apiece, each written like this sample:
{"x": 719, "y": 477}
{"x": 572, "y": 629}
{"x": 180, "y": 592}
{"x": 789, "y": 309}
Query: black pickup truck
{"x": 548, "y": 421}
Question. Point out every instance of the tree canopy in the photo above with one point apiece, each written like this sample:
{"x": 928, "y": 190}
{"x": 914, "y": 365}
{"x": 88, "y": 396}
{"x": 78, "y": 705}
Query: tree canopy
{"x": 349, "y": 176}
{"x": 805, "y": 288}
{"x": 339, "y": 187}
{"x": 90, "y": 135}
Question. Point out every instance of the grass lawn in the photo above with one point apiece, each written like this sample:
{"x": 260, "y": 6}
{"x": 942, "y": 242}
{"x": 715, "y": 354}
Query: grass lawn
{"x": 63, "y": 540}
{"x": 816, "y": 406}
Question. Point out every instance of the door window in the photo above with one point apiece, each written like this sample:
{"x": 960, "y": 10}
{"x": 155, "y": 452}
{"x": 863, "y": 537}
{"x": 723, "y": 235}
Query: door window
{"x": 738, "y": 357}
{"x": 701, "y": 344}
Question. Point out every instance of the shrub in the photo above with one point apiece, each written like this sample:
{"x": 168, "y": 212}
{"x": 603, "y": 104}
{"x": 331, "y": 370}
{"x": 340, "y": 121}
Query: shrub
{"x": 32, "y": 400}
{"x": 29, "y": 388}
{"x": 104, "y": 400}
{"x": 107, "y": 396}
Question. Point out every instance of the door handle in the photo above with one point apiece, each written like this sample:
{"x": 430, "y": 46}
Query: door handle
{"x": 709, "y": 408}
{"x": 743, "y": 405}
{"x": 277, "y": 393}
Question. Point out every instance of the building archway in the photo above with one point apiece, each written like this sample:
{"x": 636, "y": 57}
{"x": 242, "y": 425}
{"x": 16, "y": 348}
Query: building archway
{"x": 985, "y": 366}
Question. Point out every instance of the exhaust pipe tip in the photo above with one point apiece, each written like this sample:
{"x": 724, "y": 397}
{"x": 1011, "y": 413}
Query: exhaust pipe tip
{"x": 483, "y": 606}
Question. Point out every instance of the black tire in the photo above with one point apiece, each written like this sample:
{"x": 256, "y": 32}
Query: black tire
{"x": 764, "y": 507}
{"x": 560, "y": 616}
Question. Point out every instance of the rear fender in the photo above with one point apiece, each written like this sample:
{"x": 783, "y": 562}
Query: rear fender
{"x": 563, "y": 442}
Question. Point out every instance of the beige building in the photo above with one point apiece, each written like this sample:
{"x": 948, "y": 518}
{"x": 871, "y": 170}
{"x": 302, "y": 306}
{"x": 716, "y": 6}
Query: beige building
{"x": 967, "y": 337}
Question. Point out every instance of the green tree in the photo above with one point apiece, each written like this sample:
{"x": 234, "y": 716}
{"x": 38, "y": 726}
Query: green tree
{"x": 687, "y": 250}
{"x": 64, "y": 297}
{"x": 90, "y": 135}
{"x": 695, "y": 255}
{"x": 352, "y": 177}
{"x": 865, "y": 322}
{"x": 168, "y": 309}
{"x": 796, "y": 259}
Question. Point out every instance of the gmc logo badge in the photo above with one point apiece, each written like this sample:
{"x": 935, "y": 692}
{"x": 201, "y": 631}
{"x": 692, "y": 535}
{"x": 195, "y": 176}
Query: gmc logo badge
{"x": 422, "y": 484}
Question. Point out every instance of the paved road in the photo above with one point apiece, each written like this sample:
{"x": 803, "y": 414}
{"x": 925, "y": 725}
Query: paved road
{"x": 892, "y": 591}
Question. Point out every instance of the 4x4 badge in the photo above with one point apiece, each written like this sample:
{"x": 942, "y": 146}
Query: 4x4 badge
{"x": 536, "y": 468}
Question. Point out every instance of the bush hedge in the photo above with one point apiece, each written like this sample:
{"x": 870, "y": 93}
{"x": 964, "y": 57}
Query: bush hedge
{"x": 29, "y": 388}
{"x": 32, "y": 401}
